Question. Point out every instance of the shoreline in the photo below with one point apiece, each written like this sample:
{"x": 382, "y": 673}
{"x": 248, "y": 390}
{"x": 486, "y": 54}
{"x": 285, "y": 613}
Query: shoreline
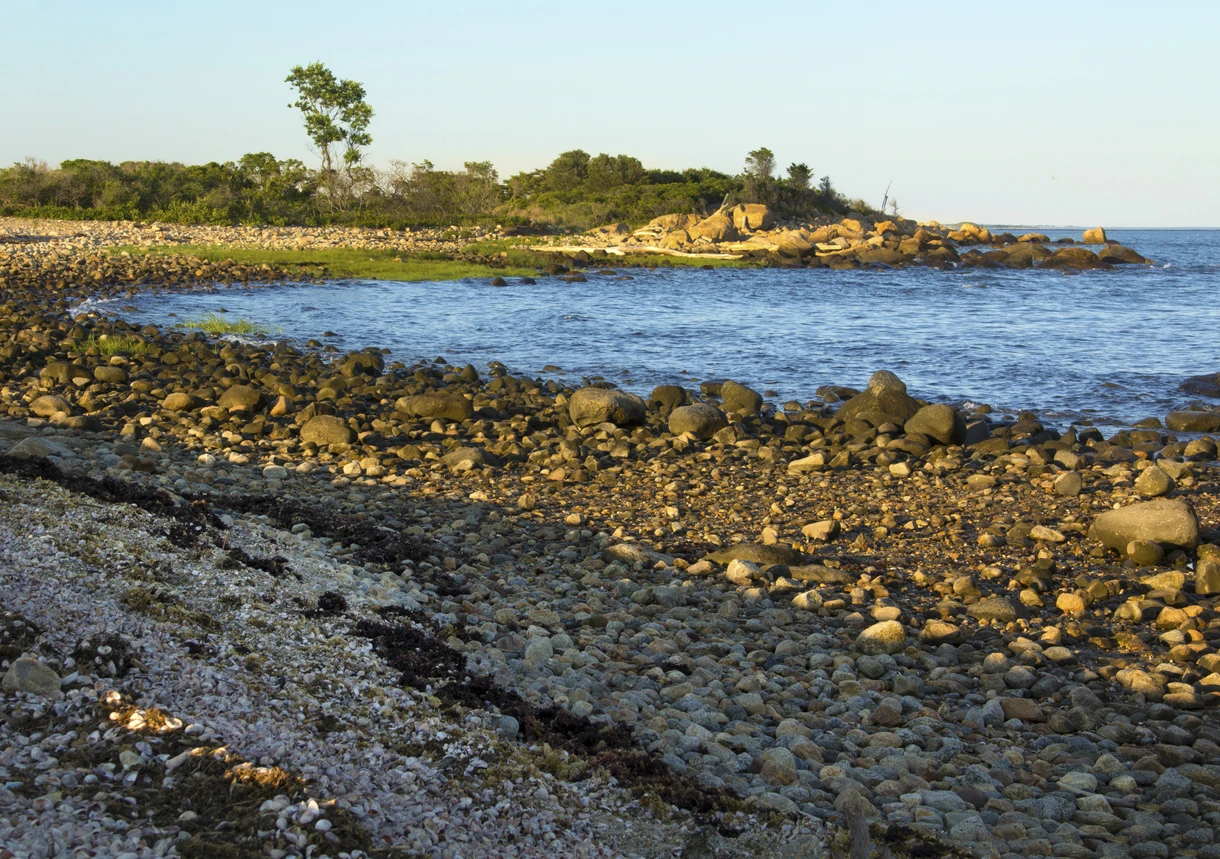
{"x": 916, "y": 629}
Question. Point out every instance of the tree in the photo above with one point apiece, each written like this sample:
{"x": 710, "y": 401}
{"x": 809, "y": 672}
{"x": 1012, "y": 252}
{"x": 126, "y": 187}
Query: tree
{"x": 799, "y": 176}
{"x": 568, "y": 171}
{"x": 760, "y": 164}
{"x": 335, "y": 113}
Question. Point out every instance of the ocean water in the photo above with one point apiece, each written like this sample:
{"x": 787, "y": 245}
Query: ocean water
{"x": 1107, "y": 348}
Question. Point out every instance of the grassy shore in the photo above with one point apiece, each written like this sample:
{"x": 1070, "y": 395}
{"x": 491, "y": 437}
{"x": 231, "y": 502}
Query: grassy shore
{"x": 359, "y": 263}
{"x": 344, "y": 262}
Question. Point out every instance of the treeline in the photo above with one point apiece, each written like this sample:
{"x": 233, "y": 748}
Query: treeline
{"x": 576, "y": 191}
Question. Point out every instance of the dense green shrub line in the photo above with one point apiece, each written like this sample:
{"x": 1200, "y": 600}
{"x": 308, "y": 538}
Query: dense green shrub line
{"x": 574, "y": 192}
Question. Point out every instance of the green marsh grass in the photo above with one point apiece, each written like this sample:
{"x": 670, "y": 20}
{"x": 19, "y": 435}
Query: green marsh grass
{"x": 115, "y": 345}
{"x": 216, "y": 325}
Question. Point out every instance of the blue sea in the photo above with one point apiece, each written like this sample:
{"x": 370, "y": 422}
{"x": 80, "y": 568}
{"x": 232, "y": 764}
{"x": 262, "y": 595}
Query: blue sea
{"x": 1101, "y": 347}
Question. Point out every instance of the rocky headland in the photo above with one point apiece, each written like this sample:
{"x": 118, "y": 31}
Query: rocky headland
{"x": 751, "y": 231}
{"x": 261, "y": 600}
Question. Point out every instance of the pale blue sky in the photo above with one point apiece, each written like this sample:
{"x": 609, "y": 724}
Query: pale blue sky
{"x": 1005, "y": 113}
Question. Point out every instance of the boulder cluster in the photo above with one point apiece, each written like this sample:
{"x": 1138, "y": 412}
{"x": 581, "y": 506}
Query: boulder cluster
{"x": 752, "y": 231}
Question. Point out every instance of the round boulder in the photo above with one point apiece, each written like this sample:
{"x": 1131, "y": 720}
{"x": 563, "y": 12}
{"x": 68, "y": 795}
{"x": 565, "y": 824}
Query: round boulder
{"x": 885, "y": 401}
{"x": 701, "y": 420}
{"x": 668, "y": 396}
{"x": 110, "y": 375}
{"x": 1168, "y": 521}
{"x": 888, "y": 636}
{"x": 590, "y": 406}
{"x": 939, "y": 422}
{"x": 50, "y": 405}
{"x": 451, "y": 407}
{"x": 242, "y": 397}
{"x": 178, "y": 402}
{"x": 326, "y": 430}
{"x": 739, "y": 398}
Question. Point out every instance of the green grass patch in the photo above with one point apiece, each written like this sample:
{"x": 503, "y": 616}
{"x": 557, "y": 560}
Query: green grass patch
{"x": 115, "y": 345}
{"x": 348, "y": 263}
{"x": 215, "y": 325}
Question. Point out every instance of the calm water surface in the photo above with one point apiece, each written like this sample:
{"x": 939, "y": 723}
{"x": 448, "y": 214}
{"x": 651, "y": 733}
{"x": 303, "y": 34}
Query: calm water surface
{"x": 1107, "y": 347}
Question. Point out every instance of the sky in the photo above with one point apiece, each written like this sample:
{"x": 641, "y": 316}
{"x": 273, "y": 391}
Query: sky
{"x": 1033, "y": 113}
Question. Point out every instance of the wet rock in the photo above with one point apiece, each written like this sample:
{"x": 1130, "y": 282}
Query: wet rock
{"x": 1171, "y": 522}
{"x": 1193, "y": 421}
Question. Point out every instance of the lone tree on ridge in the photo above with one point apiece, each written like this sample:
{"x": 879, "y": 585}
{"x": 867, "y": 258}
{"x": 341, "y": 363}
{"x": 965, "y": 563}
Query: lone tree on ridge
{"x": 335, "y": 113}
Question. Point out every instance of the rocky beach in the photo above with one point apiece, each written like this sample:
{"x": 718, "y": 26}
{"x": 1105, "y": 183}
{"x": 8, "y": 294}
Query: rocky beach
{"x": 275, "y": 601}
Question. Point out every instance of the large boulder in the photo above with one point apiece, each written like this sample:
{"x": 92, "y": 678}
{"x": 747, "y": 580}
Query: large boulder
{"x": 701, "y": 420}
{"x": 361, "y": 364}
{"x": 718, "y": 228}
{"x": 1193, "y": 421}
{"x": 1168, "y": 521}
{"x": 611, "y": 231}
{"x": 50, "y": 405}
{"x": 885, "y": 401}
{"x": 590, "y": 406}
{"x": 326, "y": 430}
{"x": 749, "y": 217}
{"x": 667, "y": 396}
{"x": 764, "y": 556}
{"x": 1117, "y": 254}
{"x": 888, "y": 636}
{"x": 1095, "y": 236}
{"x": 241, "y": 397}
{"x": 450, "y": 407}
{"x": 792, "y": 244}
{"x": 179, "y": 401}
{"x": 1072, "y": 258}
{"x": 739, "y": 398}
{"x": 1207, "y": 386}
{"x": 669, "y": 223}
{"x": 940, "y": 422}
{"x": 27, "y": 674}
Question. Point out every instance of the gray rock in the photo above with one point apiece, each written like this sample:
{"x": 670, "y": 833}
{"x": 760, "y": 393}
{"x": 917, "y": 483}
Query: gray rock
{"x": 473, "y": 455}
{"x": 450, "y": 407}
{"x": 885, "y": 401}
{"x": 888, "y": 636}
{"x": 993, "y": 608}
{"x": 1193, "y": 421}
{"x": 508, "y": 727}
{"x": 1153, "y": 482}
{"x": 538, "y": 650}
{"x": 27, "y": 674}
{"x": 668, "y": 396}
{"x": 739, "y": 398}
{"x": 940, "y": 422}
{"x": 49, "y": 405}
{"x": 701, "y": 420}
{"x": 326, "y": 430}
{"x": 764, "y": 556}
{"x": 1168, "y": 521}
{"x": 242, "y": 397}
{"x": 590, "y": 406}
{"x": 38, "y": 448}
